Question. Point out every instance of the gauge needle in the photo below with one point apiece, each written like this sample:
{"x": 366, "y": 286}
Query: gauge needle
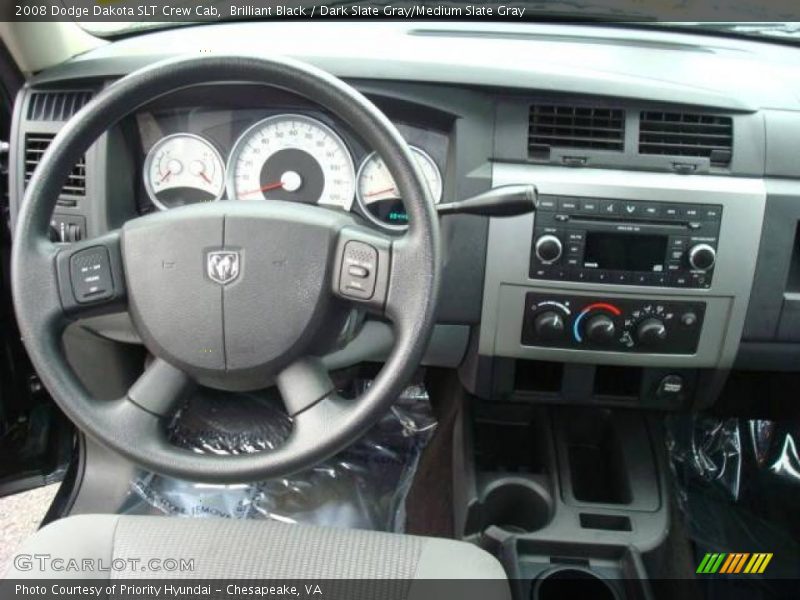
{"x": 165, "y": 177}
{"x": 383, "y": 191}
{"x": 264, "y": 188}
{"x": 205, "y": 177}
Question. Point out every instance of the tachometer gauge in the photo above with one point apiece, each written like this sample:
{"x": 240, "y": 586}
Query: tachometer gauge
{"x": 292, "y": 157}
{"x": 378, "y": 195}
{"x": 183, "y": 169}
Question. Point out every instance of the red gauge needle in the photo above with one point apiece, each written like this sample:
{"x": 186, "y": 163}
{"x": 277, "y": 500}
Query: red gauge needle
{"x": 389, "y": 189}
{"x": 205, "y": 177}
{"x": 264, "y": 188}
{"x": 165, "y": 176}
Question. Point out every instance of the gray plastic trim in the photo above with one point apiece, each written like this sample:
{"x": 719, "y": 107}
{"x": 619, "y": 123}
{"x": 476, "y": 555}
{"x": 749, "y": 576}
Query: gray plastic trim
{"x": 509, "y": 249}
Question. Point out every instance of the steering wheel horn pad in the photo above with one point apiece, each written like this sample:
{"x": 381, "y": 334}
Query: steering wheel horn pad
{"x": 234, "y": 295}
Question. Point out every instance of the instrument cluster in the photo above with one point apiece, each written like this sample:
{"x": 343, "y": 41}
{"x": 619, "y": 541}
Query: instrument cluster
{"x": 289, "y": 156}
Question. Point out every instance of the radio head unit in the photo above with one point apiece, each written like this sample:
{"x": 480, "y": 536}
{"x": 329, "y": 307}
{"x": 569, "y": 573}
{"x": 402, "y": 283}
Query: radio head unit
{"x": 625, "y": 242}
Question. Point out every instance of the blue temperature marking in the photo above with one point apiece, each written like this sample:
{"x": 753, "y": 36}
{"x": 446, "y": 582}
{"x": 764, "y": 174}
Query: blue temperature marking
{"x": 576, "y": 324}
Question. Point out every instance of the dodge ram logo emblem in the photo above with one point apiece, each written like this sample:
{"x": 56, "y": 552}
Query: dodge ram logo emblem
{"x": 222, "y": 266}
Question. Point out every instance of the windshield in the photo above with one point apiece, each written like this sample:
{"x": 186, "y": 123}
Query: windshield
{"x": 109, "y": 18}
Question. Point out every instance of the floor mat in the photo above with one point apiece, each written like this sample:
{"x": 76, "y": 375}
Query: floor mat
{"x": 363, "y": 487}
{"x": 738, "y": 483}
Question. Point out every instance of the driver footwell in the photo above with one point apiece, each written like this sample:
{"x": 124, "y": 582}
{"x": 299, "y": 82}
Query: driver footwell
{"x": 364, "y": 486}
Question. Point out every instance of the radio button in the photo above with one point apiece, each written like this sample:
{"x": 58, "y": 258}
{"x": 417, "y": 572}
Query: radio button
{"x": 690, "y": 212}
{"x": 548, "y": 249}
{"x": 702, "y": 257}
{"x": 575, "y": 236}
{"x": 580, "y": 275}
{"x": 590, "y": 206}
{"x": 546, "y": 203}
{"x": 630, "y": 209}
{"x": 568, "y": 204}
{"x": 621, "y": 277}
{"x": 675, "y": 254}
{"x": 652, "y": 210}
{"x": 610, "y": 207}
{"x": 561, "y": 218}
{"x": 574, "y": 248}
{"x": 678, "y": 243}
{"x": 658, "y": 279}
{"x": 680, "y": 280}
{"x": 672, "y": 211}
{"x": 712, "y": 213}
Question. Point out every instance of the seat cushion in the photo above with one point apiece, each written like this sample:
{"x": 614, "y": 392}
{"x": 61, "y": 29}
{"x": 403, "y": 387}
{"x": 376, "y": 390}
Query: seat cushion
{"x": 242, "y": 549}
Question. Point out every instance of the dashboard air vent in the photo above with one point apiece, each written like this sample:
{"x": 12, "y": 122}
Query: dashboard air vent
{"x": 56, "y": 106}
{"x": 687, "y": 134}
{"x": 35, "y": 146}
{"x": 562, "y": 126}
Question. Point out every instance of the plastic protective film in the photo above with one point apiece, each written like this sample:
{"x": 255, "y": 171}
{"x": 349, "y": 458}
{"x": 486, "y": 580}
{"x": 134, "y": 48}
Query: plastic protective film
{"x": 364, "y": 487}
{"x": 737, "y": 483}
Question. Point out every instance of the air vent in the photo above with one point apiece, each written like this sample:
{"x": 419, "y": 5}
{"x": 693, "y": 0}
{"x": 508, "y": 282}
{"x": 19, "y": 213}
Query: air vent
{"x": 587, "y": 127}
{"x": 56, "y": 106}
{"x": 687, "y": 134}
{"x": 35, "y": 146}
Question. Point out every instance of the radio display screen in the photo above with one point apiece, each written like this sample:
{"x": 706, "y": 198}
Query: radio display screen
{"x": 625, "y": 251}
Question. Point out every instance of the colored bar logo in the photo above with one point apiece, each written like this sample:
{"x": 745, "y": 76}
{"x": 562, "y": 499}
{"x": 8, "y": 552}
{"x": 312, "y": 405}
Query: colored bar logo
{"x": 734, "y": 563}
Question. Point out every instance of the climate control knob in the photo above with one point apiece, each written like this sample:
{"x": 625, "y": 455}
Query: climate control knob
{"x": 702, "y": 257}
{"x": 549, "y": 325}
{"x": 548, "y": 248}
{"x": 651, "y": 332}
{"x": 600, "y": 329}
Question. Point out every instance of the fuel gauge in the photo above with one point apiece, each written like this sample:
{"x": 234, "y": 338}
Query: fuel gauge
{"x": 183, "y": 169}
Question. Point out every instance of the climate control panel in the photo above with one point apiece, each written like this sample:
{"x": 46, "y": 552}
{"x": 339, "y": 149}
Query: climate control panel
{"x": 618, "y": 325}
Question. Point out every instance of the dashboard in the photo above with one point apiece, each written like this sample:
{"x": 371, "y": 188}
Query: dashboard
{"x": 665, "y": 242}
{"x": 277, "y": 150}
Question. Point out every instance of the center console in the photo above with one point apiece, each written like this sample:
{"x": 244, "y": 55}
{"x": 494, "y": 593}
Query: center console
{"x": 622, "y": 268}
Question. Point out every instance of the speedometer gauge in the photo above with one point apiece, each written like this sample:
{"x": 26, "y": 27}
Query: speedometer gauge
{"x": 183, "y": 169}
{"x": 292, "y": 157}
{"x": 377, "y": 191}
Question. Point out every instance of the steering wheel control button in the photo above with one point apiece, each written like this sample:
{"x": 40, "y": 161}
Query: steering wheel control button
{"x": 90, "y": 275}
{"x": 359, "y": 268}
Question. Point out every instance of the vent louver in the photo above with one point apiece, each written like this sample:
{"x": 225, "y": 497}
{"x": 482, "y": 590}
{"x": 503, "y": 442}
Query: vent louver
{"x": 687, "y": 134}
{"x": 56, "y": 106}
{"x": 562, "y": 126}
{"x": 35, "y": 146}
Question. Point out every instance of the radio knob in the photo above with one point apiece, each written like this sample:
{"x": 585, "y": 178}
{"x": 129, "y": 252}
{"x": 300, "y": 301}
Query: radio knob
{"x": 549, "y": 325}
{"x": 548, "y": 248}
{"x": 651, "y": 332}
{"x": 600, "y": 329}
{"x": 702, "y": 257}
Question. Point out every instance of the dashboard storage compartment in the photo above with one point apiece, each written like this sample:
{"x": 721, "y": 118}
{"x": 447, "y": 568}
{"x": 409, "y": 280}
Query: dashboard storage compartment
{"x": 596, "y": 463}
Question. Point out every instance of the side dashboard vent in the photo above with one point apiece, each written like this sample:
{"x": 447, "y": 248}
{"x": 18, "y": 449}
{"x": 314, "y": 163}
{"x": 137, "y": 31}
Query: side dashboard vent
{"x": 56, "y": 106}
{"x": 687, "y": 134}
{"x": 36, "y": 145}
{"x": 585, "y": 127}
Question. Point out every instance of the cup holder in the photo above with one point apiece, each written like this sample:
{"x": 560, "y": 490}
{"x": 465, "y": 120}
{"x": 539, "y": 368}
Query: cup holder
{"x": 517, "y": 506}
{"x": 572, "y": 582}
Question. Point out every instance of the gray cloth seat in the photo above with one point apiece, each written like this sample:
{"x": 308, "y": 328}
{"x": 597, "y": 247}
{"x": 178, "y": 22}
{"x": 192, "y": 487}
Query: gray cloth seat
{"x": 240, "y": 549}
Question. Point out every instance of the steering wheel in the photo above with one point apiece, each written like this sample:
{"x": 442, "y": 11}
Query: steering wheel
{"x": 232, "y": 295}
